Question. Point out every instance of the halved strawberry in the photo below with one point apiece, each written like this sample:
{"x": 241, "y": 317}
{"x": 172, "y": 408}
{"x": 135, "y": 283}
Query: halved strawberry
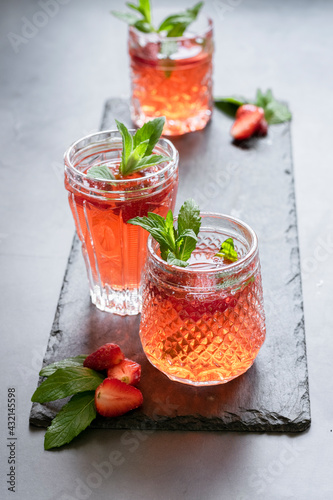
{"x": 127, "y": 371}
{"x": 114, "y": 398}
{"x": 247, "y": 108}
{"x": 247, "y": 124}
{"x": 263, "y": 127}
{"x": 105, "y": 357}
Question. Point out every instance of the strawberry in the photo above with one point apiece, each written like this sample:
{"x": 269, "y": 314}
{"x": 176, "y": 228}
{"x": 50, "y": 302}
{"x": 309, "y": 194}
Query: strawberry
{"x": 105, "y": 357}
{"x": 114, "y": 398}
{"x": 263, "y": 127}
{"x": 247, "y": 124}
{"x": 247, "y": 108}
{"x": 127, "y": 371}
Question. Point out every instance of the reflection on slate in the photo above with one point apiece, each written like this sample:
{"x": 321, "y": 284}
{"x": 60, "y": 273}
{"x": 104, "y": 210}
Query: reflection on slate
{"x": 254, "y": 183}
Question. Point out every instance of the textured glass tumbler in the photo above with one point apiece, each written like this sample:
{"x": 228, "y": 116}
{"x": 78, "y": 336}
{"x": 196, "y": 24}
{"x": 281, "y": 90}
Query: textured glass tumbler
{"x": 204, "y": 324}
{"x": 115, "y": 251}
{"x": 172, "y": 77}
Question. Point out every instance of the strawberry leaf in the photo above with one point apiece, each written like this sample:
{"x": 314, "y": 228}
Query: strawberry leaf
{"x": 72, "y": 419}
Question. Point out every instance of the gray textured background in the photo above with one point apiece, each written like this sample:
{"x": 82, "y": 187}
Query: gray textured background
{"x": 52, "y": 92}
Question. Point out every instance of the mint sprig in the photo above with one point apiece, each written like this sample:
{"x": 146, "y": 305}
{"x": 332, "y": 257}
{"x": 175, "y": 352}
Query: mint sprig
{"x": 227, "y": 250}
{"x": 137, "y": 149}
{"x": 72, "y": 419}
{"x": 176, "y": 244}
{"x": 176, "y": 24}
{"x": 65, "y": 382}
{"x": 173, "y": 26}
{"x": 275, "y": 111}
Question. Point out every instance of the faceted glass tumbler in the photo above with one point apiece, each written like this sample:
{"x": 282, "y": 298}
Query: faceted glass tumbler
{"x": 204, "y": 324}
{"x": 172, "y": 77}
{"x": 115, "y": 251}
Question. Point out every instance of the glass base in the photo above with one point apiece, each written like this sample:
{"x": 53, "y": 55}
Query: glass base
{"x": 201, "y": 383}
{"x": 122, "y": 302}
{"x": 176, "y": 127}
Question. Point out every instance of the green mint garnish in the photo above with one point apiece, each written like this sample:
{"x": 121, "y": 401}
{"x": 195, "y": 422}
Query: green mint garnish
{"x": 176, "y": 24}
{"x": 275, "y": 111}
{"x": 172, "y": 26}
{"x": 65, "y": 382}
{"x": 64, "y": 363}
{"x": 72, "y": 419}
{"x": 100, "y": 172}
{"x": 137, "y": 149}
{"x": 227, "y": 250}
{"x": 68, "y": 378}
{"x": 176, "y": 245}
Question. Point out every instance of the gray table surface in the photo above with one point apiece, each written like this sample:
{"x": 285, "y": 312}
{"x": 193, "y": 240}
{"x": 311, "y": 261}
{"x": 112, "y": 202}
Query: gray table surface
{"x": 54, "y": 82}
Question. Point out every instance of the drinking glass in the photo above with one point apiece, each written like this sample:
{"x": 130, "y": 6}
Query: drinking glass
{"x": 115, "y": 251}
{"x": 172, "y": 77}
{"x": 204, "y": 324}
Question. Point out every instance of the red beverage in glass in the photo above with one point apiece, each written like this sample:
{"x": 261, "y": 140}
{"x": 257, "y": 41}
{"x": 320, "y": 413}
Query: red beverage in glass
{"x": 115, "y": 251}
{"x": 172, "y": 77}
{"x": 204, "y": 324}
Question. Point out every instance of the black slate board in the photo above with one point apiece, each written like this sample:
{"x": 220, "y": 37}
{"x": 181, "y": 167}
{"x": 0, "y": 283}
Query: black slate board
{"x": 253, "y": 181}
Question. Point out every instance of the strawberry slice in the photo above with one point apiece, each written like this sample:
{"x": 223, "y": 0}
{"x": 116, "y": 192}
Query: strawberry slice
{"x": 127, "y": 371}
{"x": 105, "y": 357}
{"x": 247, "y": 124}
{"x": 114, "y": 398}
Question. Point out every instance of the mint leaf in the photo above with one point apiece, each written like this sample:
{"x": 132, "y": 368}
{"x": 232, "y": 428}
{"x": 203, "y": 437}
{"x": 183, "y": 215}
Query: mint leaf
{"x": 142, "y": 8}
{"x": 229, "y": 105}
{"x": 172, "y": 259}
{"x": 130, "y": 19}
{"x": 127, "y": 141}
{"x": 150, "y": 161}
{"x": 72, "y": 419}
{"x": 173, "y": 25}
{"x": 189, "y": 217}
{"x": 100, "y": 172}
{"x": 66, "y": 382}
{"x": 137, "y": 149}
{"x": 275, "y": 111}
{"x": 176, "y": 24}
{"x": 150, "y": 131}
{"x": 175, "y": 244}
{"x": 64, "y": 363}
{"x": 227, "y": 250}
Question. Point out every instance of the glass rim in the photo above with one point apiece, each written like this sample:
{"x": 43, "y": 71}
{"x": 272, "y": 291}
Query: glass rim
{"x": 229, "y": 269}
{"x": 120, "y": 182}
{"x": 203, "y": 33}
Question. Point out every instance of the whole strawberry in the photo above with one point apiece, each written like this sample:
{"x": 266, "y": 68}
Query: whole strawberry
{"x": 105, "y": 357}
